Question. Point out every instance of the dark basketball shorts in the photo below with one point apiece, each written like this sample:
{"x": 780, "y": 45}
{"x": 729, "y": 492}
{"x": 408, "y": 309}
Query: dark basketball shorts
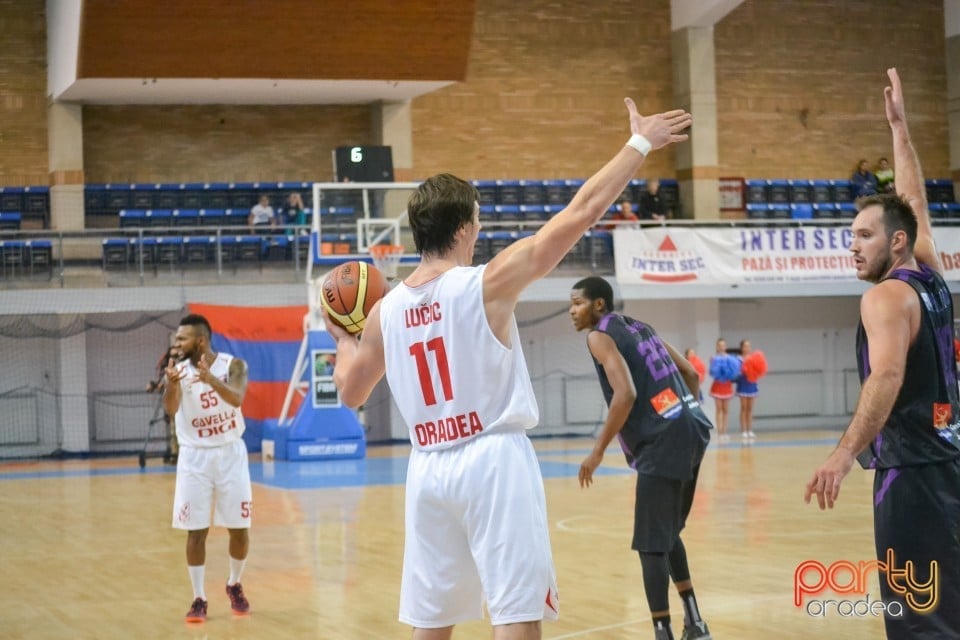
{"x": 660, "y": 513}
{"x": 917, "y": 517}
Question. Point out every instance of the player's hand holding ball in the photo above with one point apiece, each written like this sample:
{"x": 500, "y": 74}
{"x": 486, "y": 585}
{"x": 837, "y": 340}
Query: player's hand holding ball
{"x": 348, "y": 294}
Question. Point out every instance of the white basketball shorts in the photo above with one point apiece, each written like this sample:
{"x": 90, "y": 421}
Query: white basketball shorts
{"x": 207, "y": 474}
{"x": 477, "y": 532}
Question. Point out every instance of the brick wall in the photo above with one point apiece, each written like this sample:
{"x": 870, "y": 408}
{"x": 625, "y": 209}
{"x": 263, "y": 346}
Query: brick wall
{"x": 800, "y": 85}
{"x": 218, "y": 143}
{"x": 23, "y": 89}
{"x": 545, "y": 88}
{"x": 799, "y": 94}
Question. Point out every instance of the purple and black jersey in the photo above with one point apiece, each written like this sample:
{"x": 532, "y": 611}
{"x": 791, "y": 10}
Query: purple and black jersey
{"x": 923, "y": 424}
{"x": 666, "y": 432}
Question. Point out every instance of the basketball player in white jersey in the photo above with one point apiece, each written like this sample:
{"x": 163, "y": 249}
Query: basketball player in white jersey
{"x": 204, "y": 391}
{"x": 446, "y": 337}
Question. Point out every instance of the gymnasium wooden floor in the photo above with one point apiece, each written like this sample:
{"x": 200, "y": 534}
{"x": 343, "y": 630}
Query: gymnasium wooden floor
{"x": 88, "y": 552}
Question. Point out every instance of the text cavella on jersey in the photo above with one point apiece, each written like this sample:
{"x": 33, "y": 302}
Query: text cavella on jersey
{"x": 210, "y": 425}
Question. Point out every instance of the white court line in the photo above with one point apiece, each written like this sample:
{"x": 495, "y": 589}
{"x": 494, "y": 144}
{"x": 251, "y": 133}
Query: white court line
{"x": 713, "y": 607}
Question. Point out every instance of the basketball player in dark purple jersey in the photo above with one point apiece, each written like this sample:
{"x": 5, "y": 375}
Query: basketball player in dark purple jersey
{"x": 652, "y": 393}
{"x": 905, "y": 424}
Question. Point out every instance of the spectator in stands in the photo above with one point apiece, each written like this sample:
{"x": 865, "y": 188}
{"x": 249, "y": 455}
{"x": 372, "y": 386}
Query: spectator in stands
{"x": 294, "y": 213}
{"x": 651, "y": 207}
{"x": 863, "y": 183}
{"x": 884, "y": 176}
{"x": 624, "y": 213}
{"x": 261, "y": 215}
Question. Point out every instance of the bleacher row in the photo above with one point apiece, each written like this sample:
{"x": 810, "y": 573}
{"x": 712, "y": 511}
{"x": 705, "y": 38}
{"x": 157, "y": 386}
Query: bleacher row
{"x": 502, "y": 199}
{"x": 172, "y": 250}
{"x": 803, "y": 199}
{"x": 26, "y": 257}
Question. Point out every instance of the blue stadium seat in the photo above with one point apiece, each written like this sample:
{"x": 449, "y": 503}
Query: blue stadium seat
{"x": 535, "y": 211}
{"x": 532, "y": 192}
{"x": 509, "y": 192}
{"x": 131, "y": 218}
{"x": 937, "y": 191}
{"x": 509, "y": 213}
{"x": 488, "y": 212}
{"x": 670, "y": 195}
{"x": 801, "y": 211}
{"x": 937, "y": 210}
{"x": 840, "y": 191}
{"x": 235, "y": 217}
{"x": 756, "y": 191}
{"x": 847, "y": 210}
{"x": 169, "y": 250}
{"x": 167, "y": 196}
{"x": 36, "y": 202}
{"x": 778, "y": 191}
{"x": 116, "y": 251}
{"x": 757, "y": 211}
{"x": 199, "y": 249}
{"x": 212, "y": 217}
{"x": 116, "y": 197}
{"x": 11, "y": 256}
{"x": 779, "y": 211}
{"x": 822, "y": 193}
{"x": 143, "y": 196}
{"x": 638, "y": 186}
{"x": 487, "y": 190}
{"x": 800, "y": 191}
{"x": 571, "y": 186}
{"x": 555, "y": 192}
{"x": 185, "y": 217}
{"x": 951, "y": 209}
{"x": 11, "y": 199}
{"x": 10, "y": 220}
{"x": 158, "y": 218}
{"x": 825, "y": 210}
{"x": 39, "y": 254}
{"x": 242, "y": 249}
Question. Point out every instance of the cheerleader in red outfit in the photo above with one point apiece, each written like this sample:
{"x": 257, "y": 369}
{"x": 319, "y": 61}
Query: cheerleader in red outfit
{"x": 724, "y": 369}
{"x": 698, "y": 366}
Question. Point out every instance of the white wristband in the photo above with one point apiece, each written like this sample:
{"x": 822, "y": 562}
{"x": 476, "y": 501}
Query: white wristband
{"x": 640, "y": 143}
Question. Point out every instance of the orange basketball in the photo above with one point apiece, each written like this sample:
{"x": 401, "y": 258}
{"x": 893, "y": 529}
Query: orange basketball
{"x": 349, "y": 292}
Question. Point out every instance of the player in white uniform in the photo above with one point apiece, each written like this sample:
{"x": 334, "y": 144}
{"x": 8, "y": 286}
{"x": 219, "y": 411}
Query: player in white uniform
{"x": 476, "y": 521}
{"x": 205, "y": 392}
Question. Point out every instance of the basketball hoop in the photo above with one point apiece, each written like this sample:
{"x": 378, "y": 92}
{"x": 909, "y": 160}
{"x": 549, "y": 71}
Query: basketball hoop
{"x": 386, "y": 257}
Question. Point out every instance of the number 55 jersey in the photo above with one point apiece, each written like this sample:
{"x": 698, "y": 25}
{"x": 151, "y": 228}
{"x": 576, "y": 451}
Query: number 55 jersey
{"x": 204, "y": 419}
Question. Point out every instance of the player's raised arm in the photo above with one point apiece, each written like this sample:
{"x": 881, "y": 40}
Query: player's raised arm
{"x": 908, "y": 179}
{"x": 527, "y": 260}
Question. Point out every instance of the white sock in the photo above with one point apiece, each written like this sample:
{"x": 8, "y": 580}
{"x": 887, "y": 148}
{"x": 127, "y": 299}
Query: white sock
{"x": 236, "y": 569}
{"x": 196, "y": 579}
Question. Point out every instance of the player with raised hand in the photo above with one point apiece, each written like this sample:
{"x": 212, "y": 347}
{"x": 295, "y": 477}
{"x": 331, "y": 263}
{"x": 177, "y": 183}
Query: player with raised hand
{"x": 906, "y": 422}
{"x": 205, "y": 392}
{"x": 476, "y": 524}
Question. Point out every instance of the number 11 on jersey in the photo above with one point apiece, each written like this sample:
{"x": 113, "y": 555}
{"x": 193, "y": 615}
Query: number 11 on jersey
{"x": 419, "y": 352}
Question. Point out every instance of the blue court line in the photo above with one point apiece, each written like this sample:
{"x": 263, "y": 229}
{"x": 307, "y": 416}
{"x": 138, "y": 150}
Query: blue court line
{"x": 375, "y": 471}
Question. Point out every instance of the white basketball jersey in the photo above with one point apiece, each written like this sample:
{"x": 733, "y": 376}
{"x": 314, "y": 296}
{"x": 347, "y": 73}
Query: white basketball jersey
{"x": 452, "y": 379}
{"x": 204, "y": 418}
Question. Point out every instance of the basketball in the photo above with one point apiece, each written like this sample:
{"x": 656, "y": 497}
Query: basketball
{"x": 349, "y": 292}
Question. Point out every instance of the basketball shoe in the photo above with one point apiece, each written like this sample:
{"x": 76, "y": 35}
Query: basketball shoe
{"x": 198, "y": 611}
{"x": 238, "y": 602}
{"x": 697, "y": 631}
